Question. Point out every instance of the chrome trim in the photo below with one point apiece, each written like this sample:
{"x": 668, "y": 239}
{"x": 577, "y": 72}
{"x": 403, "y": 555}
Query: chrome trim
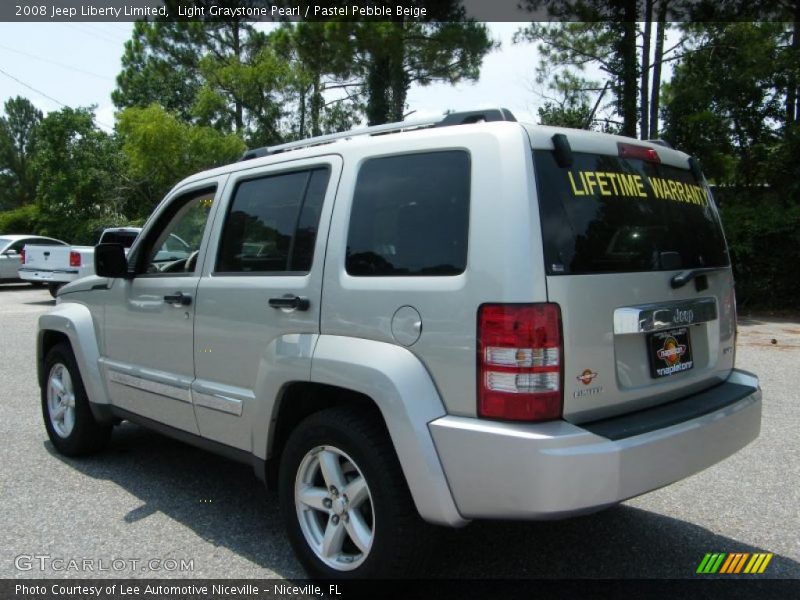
{"x": 162, "y": 389}
{"x": 218, "y": 402}
{"x": 666, "y": 315}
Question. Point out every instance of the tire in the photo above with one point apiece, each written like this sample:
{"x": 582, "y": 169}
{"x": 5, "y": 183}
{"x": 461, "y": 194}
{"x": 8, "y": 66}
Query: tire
{"x": 68, "y": 418}
{"x": 350, "y": 450}
{"x": 53, "y": 288}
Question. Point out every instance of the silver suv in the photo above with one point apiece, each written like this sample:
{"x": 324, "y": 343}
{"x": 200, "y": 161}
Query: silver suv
{"x": 419, "y": 323}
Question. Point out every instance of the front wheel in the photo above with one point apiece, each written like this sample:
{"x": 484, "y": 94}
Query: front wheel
{"x": 53, "y": 288}
{"x": 68, "y": 418}
{"x": 348, "y": 510}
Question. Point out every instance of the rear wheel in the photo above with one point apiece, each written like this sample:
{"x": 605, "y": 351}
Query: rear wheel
{"x": 69, "y": 421}
{"x": 347, "y": 508}
{"x": 53, "y": 288}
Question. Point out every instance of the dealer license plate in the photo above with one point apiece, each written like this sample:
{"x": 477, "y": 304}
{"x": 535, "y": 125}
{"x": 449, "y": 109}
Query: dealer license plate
{"x": 670, "y": 352}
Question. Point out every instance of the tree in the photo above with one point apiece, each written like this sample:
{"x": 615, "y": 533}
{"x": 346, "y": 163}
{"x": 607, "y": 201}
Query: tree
{"x": 725, "y": 102}
{"x": 160, "y": 150}
{"x": 77, "y": 167}
{"x": 322, "y": 78}
{"x": 604, "y": 35}
{"x": 393, "y": 55}
{"x": 17, "y": 145}
{"x": 204, "y": 71}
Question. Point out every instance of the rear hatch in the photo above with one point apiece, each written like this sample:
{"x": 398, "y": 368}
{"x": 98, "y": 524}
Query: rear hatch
{"x": 636, "y": 258}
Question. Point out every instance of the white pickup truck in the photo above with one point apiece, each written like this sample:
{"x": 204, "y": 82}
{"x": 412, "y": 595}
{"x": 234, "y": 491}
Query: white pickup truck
{"x": 56, "y": 266}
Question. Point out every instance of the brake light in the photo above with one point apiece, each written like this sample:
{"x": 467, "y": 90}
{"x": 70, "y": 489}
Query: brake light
{"x": 519, "y": 362}
{"x": 22, "y": 256}
{"x": 640, "y": 152}
{"x": 74, "y": 259}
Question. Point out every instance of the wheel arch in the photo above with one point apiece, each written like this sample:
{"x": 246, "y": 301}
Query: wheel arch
{"x": 73, "y": 324}
{"x": 385, "y": 378}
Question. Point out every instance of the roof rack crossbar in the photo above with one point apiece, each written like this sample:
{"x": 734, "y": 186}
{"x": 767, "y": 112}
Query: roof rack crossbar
{"x": 473, "y": 116}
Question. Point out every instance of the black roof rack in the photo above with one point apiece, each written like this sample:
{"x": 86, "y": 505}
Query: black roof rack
{"x": 456, "y": 118}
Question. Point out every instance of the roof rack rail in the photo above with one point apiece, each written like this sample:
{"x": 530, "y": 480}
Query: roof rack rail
{"x": 456, "y": 118}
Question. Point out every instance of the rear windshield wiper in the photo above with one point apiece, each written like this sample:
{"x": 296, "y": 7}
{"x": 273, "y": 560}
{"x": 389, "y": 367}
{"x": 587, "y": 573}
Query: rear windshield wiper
{"x": 684, "y": 277}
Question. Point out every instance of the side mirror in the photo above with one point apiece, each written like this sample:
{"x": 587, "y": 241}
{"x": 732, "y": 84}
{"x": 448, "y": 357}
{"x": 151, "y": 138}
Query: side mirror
{"x": 11, "y": 252}
{"x": 110, "y": 261}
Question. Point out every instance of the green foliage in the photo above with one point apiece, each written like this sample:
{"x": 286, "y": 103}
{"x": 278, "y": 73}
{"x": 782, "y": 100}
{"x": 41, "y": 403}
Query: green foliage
{"x": 17, "y": 145}
{"x": 393, "y": 55}
{"x": 603, "y": 36}
{"x": 764, "y": 240}
{"x": 160, "y": 150}
{"x": 557, "y": 115}
{"x": 160, "y": 65}
{"x": 77, "y": 167}
{"x": 22, "y": 220}
{"x": 724, "y": 103}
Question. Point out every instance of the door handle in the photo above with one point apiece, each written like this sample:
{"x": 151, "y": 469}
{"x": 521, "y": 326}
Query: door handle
{"x": 178, "y": 299}
{"x": 289, "y": 301}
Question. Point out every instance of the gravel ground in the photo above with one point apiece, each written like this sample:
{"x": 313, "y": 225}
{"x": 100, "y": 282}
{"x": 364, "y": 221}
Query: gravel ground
{"x": 150, "y": 498}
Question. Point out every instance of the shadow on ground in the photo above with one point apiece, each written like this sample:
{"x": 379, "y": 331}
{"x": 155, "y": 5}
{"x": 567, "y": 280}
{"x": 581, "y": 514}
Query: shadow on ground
{"x": 222, "y": 502}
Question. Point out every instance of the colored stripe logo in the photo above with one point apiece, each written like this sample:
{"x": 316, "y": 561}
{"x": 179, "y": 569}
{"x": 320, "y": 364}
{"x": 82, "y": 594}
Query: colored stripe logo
{"x": 734, "y": 562}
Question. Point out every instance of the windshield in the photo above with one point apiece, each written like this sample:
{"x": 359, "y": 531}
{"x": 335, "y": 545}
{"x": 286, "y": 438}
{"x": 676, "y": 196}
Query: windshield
{"x": 606, "y": 214}
{"x": 4, "y": 242}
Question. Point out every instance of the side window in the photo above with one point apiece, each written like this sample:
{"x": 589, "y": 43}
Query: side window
{"x": 175, "y": 248}
{"x": 410, "y": 216}
{"x": 272, "y": 223}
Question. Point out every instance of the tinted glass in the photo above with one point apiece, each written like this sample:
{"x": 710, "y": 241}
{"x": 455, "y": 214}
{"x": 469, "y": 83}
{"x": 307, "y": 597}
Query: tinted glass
{"x": 410, "y": 216}
{"x": 45, "y": 242}
{"x": 119, "y": 237}
{"x": 605, "y": 214}
{"x": 272, "y": 223}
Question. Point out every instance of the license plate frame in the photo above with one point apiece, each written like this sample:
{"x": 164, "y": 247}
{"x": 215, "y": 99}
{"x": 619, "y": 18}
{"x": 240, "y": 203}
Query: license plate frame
{"x": 669, "y": 352}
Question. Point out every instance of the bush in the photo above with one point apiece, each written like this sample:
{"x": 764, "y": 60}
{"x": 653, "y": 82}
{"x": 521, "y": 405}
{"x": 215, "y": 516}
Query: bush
{"x": 764, "y": 241}
{"x": 22, "y": 220}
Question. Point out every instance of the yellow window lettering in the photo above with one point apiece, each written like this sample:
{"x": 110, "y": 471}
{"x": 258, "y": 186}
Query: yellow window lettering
{"x": 612, "y": 178}
{"x": 670, "y": 189}
{"x": 689, "y": 190}
{"x": 601, "y": 183}
{"x": 655, "y": 185}
{"x": 703, "y": 196}
{"x": 683, "y": 192}
{"x": 627, "y": 185}
{"x": 676, "y": 190}
{"x": 639, "y": 186}
{"x": 575, "y": 190}
{"x": 589, "y": 179}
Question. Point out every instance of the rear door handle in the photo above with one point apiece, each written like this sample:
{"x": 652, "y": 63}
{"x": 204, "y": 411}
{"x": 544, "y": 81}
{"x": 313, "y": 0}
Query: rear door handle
{"x": 178, "y": 299}
{"x": 289, "y": 301}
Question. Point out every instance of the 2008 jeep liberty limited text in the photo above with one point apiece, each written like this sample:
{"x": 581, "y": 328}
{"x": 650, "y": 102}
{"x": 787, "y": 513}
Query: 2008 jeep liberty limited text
{"x": 417, "y": 323}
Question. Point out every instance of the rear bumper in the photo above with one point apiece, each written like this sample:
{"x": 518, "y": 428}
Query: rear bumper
{"x": 552, "y": 470}
{"x": 56, "y": 276}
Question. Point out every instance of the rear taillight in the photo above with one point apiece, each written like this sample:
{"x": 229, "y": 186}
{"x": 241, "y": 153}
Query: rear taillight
{"x": 22, "y": 256}
{"x": 74, "y": 259}
{"x": 519, "y": 362}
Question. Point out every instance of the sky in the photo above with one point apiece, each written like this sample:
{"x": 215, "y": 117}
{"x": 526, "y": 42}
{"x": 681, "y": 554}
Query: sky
{"x": 75, "y": 64}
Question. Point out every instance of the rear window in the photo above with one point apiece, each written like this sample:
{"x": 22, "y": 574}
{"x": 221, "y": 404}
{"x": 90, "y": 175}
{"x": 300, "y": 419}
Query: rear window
{"x": 606, "y": 214}
{"x": 125, "y": 238}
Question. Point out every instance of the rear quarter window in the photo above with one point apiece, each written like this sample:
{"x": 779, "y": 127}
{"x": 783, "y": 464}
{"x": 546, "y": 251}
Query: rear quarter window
{"x": 606, "y": 214}
{"x": 410, "y": 216}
